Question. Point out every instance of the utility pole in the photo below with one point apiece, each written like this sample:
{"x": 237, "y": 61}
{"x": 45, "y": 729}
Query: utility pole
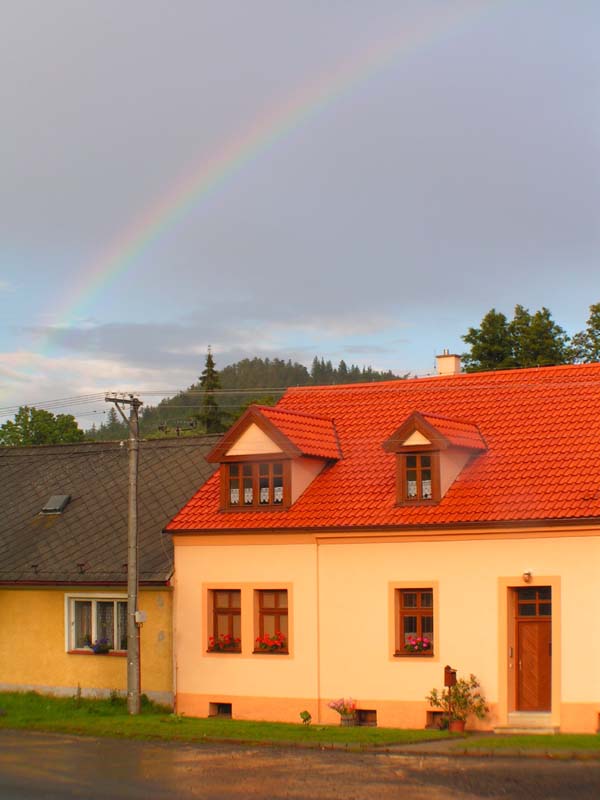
{"x": 133, "y": 640}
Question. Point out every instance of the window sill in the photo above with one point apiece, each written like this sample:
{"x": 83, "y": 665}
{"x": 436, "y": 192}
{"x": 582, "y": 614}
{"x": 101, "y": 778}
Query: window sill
{"x": 236, "y": 509}
{"x": 410, "y": 503}
{"x": 270, "y": 652}
{"x": 118, "y": 653}
{"x": 223, "y": 652}
{"x": 418, "y": 654}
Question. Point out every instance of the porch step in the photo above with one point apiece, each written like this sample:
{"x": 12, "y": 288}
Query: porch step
{"x": 523, "y": 722}
{"x": 513, "y": 730}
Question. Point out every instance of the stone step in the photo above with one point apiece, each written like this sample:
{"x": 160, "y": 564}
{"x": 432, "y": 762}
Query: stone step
{"x": 530, "y": 719}
{"x": 524, "y": 730}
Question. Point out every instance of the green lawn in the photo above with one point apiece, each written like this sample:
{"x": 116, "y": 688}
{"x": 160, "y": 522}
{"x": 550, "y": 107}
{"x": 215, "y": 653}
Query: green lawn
{"x": 74, "y": 715}
{"x": 33, "y": 711}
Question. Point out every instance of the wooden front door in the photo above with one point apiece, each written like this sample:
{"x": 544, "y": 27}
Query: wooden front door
{"x": 534, "y": 648}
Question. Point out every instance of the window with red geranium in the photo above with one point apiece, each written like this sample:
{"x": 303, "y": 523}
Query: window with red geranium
{"x": 415, "y": 622}
{"x": 272, "y": 621}
{"x": 226, "y": 621}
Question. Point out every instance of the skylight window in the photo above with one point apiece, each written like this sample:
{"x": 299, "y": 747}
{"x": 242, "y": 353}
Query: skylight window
{"x": 56, "y": 504}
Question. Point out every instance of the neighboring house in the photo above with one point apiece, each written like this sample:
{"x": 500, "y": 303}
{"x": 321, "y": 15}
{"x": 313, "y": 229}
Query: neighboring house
{"x": 63, "y": 554}
{"x": 349, "y": 524}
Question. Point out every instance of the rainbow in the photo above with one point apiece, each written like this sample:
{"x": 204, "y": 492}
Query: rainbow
{"x": 262, "y": 133}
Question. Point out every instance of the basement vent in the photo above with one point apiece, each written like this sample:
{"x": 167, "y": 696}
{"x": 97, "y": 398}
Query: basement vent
{"x": 56, "y": 504}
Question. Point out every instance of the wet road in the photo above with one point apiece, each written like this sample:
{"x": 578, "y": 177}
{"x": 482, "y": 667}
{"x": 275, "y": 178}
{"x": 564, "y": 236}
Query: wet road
{"x": 47, "y": 767}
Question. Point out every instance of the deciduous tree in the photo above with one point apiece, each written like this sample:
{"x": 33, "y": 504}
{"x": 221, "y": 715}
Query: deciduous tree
{"x": 37, "y": 426}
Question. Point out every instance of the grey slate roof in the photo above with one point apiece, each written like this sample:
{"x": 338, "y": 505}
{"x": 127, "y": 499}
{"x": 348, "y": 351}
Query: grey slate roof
{"x": 87, "y": 542}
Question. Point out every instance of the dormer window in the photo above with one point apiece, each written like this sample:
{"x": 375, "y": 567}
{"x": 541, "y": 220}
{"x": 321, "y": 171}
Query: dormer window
{"x": 430, "y": 453}
{"x": 270, "y": 457}
{"x": 251, "y": 484}
{"x": 419, "y": 474}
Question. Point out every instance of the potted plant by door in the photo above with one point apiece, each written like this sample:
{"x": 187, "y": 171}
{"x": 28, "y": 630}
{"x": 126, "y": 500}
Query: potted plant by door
{"x": 458, "y": 701}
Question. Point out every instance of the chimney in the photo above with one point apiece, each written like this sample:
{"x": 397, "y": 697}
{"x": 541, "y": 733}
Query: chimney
{"x": 448, "y": 364}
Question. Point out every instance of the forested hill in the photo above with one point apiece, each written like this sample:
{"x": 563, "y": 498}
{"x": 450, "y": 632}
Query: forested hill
{"x": 265, "y": 379}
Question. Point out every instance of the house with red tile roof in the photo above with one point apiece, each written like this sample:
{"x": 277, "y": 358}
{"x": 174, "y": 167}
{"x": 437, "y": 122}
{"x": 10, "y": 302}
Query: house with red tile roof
{"x": 355, "y": 540}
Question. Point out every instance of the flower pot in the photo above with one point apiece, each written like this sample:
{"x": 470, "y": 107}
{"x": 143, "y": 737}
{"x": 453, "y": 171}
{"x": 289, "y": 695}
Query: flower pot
{"x": 456, "y": 726}
{"x": 347, "y": 720}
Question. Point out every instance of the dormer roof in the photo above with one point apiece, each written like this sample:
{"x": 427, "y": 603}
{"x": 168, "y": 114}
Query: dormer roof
{"x": 434, "y": 432}
{"x": 281, "y": 433}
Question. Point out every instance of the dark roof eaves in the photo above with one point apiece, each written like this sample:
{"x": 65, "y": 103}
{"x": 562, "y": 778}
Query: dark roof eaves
{"x": 404, "y": 529}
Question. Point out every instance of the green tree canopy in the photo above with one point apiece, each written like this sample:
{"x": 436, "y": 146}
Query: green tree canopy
{"x": 585, "y": 345}
{"x": 37, "y": 426}
{"x": 537, "y": 341}
{"x": 528, "y": 340}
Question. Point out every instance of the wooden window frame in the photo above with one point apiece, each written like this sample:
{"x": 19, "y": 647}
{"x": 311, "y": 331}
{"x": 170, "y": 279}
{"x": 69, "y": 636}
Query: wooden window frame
{"x": 230, "y": 611}
{"x": 71, "y": 600}
{"x": 402, "y": 482}
{"x": 271, "y": 611}
{"x": 419, "y": 612}
{"x": 537, "y": 602}
{"x": 255, "y": 464}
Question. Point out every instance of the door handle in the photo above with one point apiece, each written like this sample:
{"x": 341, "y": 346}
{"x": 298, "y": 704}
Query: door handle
{"x": 519, "y": 665}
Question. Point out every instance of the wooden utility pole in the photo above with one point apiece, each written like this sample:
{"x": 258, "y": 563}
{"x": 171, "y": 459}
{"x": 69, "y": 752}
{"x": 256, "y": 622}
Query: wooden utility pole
{"x": 133, "y": 640}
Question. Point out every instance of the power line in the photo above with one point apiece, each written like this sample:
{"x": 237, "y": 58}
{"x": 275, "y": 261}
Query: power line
{"x": 399, "y": 384}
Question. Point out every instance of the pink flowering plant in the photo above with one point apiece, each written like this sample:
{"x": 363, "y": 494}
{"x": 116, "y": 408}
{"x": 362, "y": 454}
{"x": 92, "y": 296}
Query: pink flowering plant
{"x": 418, "y": 644}
{"x": 272, "y": 643}
{"x": 224, "y": 643}
{"x": 345, "y": 706}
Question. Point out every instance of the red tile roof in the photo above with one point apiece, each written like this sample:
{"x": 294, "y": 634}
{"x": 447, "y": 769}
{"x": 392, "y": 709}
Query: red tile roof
{"x": 541, "y": 427}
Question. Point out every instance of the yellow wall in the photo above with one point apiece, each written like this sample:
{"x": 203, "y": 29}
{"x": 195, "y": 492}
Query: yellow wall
{"x": 341, "y": 609}
{"x": 33, "y": 649}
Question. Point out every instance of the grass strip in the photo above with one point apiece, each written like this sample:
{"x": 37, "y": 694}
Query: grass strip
{"x": 547, "y": 743}
{"x": 76, "y": 715}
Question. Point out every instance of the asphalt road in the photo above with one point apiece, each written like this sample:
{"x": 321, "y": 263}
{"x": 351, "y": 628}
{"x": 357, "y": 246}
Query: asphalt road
{"x": 47, "y": 767}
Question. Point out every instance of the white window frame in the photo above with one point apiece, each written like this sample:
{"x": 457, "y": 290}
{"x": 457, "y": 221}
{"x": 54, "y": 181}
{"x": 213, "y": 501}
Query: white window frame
{"x": 92, "y": 597}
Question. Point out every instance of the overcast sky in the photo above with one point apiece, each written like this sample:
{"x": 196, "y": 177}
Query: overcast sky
{"x": 451, "y": 167}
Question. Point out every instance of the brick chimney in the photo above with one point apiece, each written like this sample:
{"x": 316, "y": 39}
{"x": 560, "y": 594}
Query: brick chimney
{"x": 448, "y": 364}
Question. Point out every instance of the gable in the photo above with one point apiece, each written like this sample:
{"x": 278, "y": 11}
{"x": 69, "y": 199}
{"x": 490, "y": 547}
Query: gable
{"x": 253, "y": 441}
{"x": 415, "y": 438}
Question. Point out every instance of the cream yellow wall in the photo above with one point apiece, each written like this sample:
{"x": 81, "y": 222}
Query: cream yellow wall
{"x": 304, "y": 471}
{"x": 256, "y": 567}
{"x": 451, "y": 464}
{"x": 354, "y": 593}
{"x": 342, "y": 613}
{"x": 33, "y": 652}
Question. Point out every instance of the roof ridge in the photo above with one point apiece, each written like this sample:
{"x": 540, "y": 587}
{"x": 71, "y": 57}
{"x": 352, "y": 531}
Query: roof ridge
{"x": 410, "y": 381}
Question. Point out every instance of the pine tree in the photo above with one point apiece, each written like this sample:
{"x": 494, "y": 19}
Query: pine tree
{"x": 210, "y": 415}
